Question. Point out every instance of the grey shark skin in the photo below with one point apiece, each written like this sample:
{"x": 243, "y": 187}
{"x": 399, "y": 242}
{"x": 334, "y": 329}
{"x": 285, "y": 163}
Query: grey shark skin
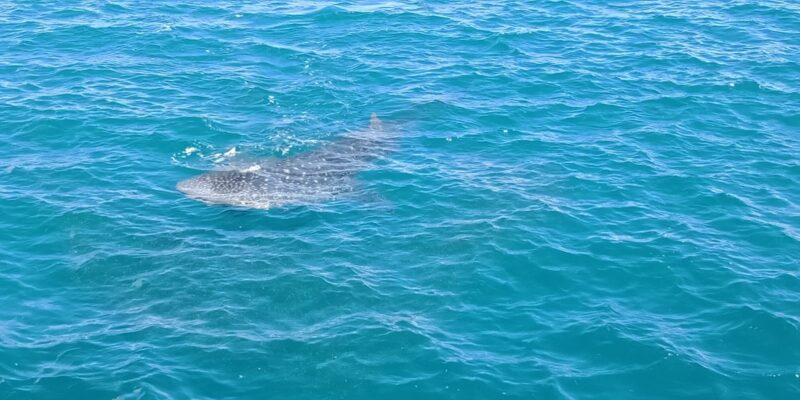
{"x": 306, "y": 178}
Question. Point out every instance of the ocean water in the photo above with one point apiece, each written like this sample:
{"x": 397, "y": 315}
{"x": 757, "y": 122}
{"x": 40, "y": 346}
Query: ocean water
{"x": 585, "y": 200}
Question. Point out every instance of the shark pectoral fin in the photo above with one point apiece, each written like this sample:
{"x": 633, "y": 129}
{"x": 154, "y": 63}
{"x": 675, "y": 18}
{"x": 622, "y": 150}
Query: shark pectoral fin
{"x": 368, "y": 197}
{"x": 375, "y": 122}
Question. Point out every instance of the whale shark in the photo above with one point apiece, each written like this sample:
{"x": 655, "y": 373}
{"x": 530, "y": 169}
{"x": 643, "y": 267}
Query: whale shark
{"x": 310, "y": 177}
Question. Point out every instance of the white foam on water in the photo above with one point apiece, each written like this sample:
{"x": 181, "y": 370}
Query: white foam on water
{"x": 195, "y": 150}
{"x": 252, "y": 168}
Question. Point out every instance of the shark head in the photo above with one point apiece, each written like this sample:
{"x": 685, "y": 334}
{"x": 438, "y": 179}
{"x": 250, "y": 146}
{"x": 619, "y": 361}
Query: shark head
{"x": 221, "y": 187}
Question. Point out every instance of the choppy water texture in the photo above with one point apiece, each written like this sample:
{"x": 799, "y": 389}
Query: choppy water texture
{"x": 585, "y": 201}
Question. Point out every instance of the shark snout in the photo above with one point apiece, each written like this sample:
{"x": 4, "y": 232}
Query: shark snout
{"x": 194, "y": 187}
{"x": 184, "y": 186}
{"x": 216, "y": 186}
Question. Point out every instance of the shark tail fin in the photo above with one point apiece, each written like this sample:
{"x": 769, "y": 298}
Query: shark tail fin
{"x": 375, "y": 122}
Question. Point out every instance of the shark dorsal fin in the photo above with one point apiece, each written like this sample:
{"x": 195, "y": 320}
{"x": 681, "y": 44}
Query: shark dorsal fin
{"x": 375, "y": 122}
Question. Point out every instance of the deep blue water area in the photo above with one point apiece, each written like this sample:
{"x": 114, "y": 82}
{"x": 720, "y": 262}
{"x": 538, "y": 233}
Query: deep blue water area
{"x": 583, "y": 200}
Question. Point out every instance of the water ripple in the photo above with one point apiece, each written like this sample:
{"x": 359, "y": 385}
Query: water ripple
{"x": 586, "y": 200}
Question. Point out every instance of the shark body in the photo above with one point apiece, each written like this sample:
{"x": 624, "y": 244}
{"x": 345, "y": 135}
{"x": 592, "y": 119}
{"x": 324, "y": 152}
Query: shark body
{"x": 306, "y": 178}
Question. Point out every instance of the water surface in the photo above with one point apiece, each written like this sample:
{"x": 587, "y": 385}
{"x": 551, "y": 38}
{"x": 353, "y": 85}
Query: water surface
{"x": 589, "y": 200}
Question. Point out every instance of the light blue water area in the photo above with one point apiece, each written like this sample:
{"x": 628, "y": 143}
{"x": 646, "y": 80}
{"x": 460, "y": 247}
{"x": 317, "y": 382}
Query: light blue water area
{"x": 584, "y": 200}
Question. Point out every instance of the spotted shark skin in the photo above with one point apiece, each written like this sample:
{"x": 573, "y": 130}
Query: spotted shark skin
{"x": 307, "y": 178}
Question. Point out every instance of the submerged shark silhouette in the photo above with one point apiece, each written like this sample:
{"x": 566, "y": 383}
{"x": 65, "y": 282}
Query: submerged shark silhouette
{"x": 306, "y": 178}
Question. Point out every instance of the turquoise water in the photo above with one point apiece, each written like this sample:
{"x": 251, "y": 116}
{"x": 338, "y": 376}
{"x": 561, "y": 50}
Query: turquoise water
{"x": 584, "y": 201}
